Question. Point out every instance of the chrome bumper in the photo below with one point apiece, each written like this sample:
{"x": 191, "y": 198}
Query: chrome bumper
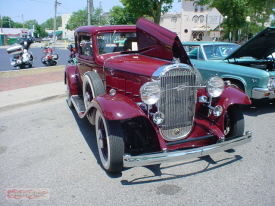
{"x": 260, "y": 93}
{"x": 157, "y": 158}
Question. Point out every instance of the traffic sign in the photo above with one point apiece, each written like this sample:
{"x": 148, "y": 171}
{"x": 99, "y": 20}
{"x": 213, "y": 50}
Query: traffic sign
{"x": 214, "y": 18}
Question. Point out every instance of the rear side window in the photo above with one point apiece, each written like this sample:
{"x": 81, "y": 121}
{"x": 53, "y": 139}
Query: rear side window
{"x": 85, "y": 45}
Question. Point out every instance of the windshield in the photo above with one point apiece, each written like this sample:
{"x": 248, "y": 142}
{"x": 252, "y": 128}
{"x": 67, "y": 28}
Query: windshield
{"x": 213, "y": 52}
{"x": 116, "y": 42}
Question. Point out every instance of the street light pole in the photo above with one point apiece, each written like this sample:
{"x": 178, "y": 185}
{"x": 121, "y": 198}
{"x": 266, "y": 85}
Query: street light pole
{"x": 90, "y": 6}
{"x": 247, "y": 19}
{"x": 54, "y": 23}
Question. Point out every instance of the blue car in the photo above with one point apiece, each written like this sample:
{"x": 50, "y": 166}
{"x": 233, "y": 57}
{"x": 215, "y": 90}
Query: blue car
{"x": 250, "y": 67}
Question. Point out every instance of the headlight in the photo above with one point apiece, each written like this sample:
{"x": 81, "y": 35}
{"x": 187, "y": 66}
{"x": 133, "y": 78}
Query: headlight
{"x": 215, "y": 86}
{"x": 150, "y": 92}
{"x": 271, "y": 83}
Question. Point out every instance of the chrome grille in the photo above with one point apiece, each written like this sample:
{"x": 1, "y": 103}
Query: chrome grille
{"x": 178, "y": 100}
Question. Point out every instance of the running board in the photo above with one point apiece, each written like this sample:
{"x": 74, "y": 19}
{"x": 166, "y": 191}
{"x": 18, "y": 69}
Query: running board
{"x": 79, "y": 105}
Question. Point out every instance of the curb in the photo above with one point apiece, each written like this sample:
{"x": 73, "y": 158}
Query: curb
{"x": 31, "y": 102}
{"x": 29, "y": 95}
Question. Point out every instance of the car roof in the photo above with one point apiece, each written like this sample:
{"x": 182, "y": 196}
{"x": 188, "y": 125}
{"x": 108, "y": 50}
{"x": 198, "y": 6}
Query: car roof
{"x": 106, "y": 28}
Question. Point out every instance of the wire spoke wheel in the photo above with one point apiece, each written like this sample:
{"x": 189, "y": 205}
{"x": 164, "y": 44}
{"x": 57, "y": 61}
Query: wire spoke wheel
{"x": 110, "y": 143}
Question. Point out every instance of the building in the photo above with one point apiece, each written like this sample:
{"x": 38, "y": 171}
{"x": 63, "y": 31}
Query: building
{"x": 195, "y": 22}
{"x": 10, "y": 35}
{"x": 62, "y": 32}
{"x": 66, "y": 34}
{"x": 16, "y": 32}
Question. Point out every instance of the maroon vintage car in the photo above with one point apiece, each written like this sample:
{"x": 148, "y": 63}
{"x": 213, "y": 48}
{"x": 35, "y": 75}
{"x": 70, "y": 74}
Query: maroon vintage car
{"x": 146, "y": 100}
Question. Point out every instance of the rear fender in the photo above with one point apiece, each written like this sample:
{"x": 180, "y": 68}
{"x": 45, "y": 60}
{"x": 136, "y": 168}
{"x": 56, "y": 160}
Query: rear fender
{"x": 116, "y": 107}
{"x": 71, "y": 78}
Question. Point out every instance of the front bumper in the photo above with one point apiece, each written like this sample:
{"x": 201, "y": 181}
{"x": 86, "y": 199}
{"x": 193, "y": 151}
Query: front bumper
{"x": 261, "y": 93}
{"x": 157, "y": 158}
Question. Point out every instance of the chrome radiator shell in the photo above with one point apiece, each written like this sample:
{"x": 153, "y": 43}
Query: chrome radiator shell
{"x": 179, "y": 83}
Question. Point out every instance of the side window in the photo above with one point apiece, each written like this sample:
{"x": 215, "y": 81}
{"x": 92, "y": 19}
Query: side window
{"x": 200, "y": 55}
{"x": 192, "y": 52}
{"x": 116, "y": 42}
{"x": 85, "y": 43}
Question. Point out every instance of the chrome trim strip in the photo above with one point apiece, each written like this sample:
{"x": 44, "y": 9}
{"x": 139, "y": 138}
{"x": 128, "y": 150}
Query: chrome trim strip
{"x": 157, "y": 158}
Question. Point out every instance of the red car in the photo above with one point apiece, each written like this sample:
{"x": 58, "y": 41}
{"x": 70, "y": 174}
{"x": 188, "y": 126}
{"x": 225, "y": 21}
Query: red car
{"x": 148, "y": 103}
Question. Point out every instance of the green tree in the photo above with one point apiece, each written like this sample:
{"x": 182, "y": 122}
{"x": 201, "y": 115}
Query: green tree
{"x": 17, "y": 25}
{"x": 7, "y": 22}
{"x": 49, "y": 23}
{"x": 120, "y": 15}
{"x": 97, "y": 18}
{"x": 237, "y": 10}
{"x": 80, "y": 18}
{"x": 30, "y": 24}
{"x": 272, "y": 22}
{"x": 40, "y": 31}
{"x": 150, "y": 8}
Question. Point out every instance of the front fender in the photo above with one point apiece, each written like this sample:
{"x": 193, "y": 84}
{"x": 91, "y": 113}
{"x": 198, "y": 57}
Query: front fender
{"x": 232, "y": 95}
{"x": 117, "y": 107}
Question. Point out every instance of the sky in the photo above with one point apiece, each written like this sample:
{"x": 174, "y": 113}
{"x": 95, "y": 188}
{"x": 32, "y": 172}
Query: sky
{"x": 41, "y": 10}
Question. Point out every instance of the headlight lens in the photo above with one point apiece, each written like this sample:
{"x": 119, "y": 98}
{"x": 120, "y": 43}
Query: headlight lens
{"x": 215, "y": 86}
{"x": 271, "y": 83}
{"x": 150, "y": 92}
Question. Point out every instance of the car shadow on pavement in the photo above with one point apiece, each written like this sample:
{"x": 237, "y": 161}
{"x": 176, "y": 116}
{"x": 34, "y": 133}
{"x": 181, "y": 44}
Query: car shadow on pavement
{"x": 259, "y": 108}
{"x": 160, "y": 176}
{"x": 88, "y": 132}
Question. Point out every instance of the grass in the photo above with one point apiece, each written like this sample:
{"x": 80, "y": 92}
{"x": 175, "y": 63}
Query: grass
{"x": 15, "y": 73}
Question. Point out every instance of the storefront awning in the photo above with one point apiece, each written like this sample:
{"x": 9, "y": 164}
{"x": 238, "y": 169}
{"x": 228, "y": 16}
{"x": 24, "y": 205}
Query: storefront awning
{"x": 57, "y": 33}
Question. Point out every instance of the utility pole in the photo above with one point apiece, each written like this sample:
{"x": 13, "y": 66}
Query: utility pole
{"x": 54, "y": 23}
{"x": 22, "y": 20}
{"x": 1, "y": 24}
{"x": 90, "y": 8}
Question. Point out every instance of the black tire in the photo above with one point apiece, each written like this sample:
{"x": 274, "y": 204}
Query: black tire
{"x": 92, "y": 87}
{"x": 110, "y": 143}
{"x": 234, "y": 122}
{"x": 49, "y": 63}
{"x": 238, "y": 85}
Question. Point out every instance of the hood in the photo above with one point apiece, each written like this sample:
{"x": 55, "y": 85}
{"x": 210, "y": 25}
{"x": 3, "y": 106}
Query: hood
{"x": 156, "y": 41}
{"x": 260, "y": 46}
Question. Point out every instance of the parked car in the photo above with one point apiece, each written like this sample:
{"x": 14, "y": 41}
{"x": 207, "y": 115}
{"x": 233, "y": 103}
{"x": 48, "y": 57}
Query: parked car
{"x": 146, "y": 100}
{"x": 46, "y": 39}
{"x": 37, "y": 39}
{"x": 250, "y": 67}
